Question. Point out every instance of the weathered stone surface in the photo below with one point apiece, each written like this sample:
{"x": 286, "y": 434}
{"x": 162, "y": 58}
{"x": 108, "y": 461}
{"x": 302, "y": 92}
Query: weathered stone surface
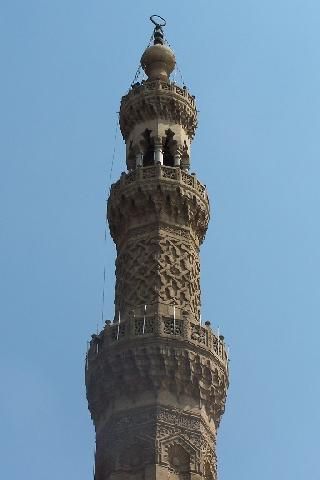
{"x": 148, "y": 356}
{"x": 158, "y": 194}
{"x": 178, "y": 443}
{"x": 156, "y": 387}
{"x": 158, "y": 100}
{"x": 156, "y": 378}
{"x": 158, "y": 217}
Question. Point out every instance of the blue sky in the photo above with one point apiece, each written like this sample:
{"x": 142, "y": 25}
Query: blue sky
{"x": 254, "y": 67}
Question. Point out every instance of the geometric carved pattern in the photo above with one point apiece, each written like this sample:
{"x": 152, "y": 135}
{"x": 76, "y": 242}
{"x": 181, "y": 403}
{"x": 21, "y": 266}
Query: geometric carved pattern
{"x": 146, "y": 102}
{"x": 156, "y": 383}
{"x": 173, "y": 204}
{"x": 199, "y": 334}
{"x": 179, "y": 441}
{"x": 172, "y": 326}
{"x": 141, "y": 371}
{"x": 158, "y": 269}
{"x": 143, "y": 326}
{"x": 158, "y": 217}
{"x": 136, "y": 273}
{"x": 179, "y": 458}
{"x": 180, "y": 274}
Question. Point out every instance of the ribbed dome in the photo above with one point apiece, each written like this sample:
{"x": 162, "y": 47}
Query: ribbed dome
{"x": 158, "y": 62}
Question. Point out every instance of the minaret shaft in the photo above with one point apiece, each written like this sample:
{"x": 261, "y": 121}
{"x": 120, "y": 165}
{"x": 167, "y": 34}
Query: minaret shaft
{"x": 156, "y": 377}
{"x": 157, "y": 216}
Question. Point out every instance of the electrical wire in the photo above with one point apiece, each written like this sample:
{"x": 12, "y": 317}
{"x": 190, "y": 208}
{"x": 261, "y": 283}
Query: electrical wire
{"x": 105, "y": 227}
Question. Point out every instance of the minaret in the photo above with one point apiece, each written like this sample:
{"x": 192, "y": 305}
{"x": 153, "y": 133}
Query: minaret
{"x": 156, "y": 377}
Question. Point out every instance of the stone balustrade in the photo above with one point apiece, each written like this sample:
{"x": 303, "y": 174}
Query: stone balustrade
{"x": 161, "y": 172}
{"x": 148, "y": 326}
{"x": 138, "y": 88}
{"x": 157, "y": 99}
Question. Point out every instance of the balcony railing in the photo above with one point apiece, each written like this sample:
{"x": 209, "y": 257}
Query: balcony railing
{"x": 155, "y": 325}
{"x": 157, "y": 172}
{"x": 160, "y": 85}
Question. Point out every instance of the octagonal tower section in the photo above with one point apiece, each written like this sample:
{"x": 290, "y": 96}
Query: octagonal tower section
{"x": 156, "y": 378}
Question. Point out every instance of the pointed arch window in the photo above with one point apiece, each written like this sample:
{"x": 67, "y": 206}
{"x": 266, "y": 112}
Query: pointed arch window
{"x": 148, "y": 157}
{"x": 168, "y": 158}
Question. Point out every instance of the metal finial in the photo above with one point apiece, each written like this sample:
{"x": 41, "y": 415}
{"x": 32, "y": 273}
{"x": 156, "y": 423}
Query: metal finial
{"x": 156, "y": 22}
{"x": 159, "y": 22}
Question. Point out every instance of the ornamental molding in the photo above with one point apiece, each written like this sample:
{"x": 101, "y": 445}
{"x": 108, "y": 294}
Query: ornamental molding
{"x": 179, "y": 441}
{"x": 161, "y": 195}
{"x": 158, "y": 100}
{"x": 153, "y": 367}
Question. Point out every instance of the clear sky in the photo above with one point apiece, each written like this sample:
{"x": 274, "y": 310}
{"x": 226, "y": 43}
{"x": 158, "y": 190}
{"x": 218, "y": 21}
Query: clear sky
{"x": 254, "y": 67}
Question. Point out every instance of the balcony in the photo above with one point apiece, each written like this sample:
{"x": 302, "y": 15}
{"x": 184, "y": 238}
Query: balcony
{"x": 161, "y": 172}
{"x": 144, "y": 327}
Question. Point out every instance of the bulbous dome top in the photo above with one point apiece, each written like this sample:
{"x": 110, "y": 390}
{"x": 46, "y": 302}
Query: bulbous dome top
{"x": 158, "y": 62}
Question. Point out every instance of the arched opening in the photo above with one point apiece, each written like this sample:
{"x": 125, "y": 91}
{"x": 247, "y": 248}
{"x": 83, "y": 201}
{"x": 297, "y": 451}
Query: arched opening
{"x": 148, "y": 157}
{"x": 179, "y": 458}
{"x": 168, "y": 158}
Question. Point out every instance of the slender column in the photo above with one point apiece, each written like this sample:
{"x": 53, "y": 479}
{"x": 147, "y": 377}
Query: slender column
{"x": 139, "y": 160}
{"x": 158, "y": 154}
{"x": 177, "y": 157}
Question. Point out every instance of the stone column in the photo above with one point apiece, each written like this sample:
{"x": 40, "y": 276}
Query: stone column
{"x": 139, "y": 160}
{"x": 177, "y": 157}
{"x": 158, "y": 155}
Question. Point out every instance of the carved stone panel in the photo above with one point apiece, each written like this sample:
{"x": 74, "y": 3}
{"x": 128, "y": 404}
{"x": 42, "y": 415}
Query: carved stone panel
{"x": 161, "y": 101}
{"x": 135, "y": 373}
{"x": 179, "y": 441}
{"x": 158, "y": 195}
{"x": 157, "y": 268}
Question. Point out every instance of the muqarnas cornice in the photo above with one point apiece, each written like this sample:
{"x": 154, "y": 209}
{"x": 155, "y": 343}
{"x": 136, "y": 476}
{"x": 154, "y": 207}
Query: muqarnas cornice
{"x": 158, "y": 100}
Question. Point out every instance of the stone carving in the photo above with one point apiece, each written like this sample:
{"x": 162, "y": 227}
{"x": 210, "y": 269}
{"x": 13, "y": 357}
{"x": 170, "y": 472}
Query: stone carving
{"x": 181, "y": 458}
{"x": 172, "y": 326}
{"x": 160, "y": 171}
{"x": 168, "y": 172}
{"x": 158, "y": 100}
{"x": 146, "y": 197}
{"x": 177, "y": 440}
{"x": 164, "y": 230}
{"x": 156, "y": 268}
{"x": 154, "y": 368}
{"x": 143, "y": 326}
{"x": 199, "y": 334}
{"x": 147, "y": 320}
{"x": 157, "y": 381}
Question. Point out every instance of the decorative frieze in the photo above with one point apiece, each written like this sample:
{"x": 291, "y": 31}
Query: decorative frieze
{"x": 177, "y": 440}
{"x": 137, "y": 369}
{"x": 158, "y": 100}
{"x": 158, "y": 196}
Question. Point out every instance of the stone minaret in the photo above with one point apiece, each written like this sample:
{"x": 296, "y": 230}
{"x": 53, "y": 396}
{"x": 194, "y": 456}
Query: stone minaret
{"x": 156, "y": 378}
